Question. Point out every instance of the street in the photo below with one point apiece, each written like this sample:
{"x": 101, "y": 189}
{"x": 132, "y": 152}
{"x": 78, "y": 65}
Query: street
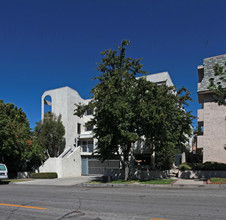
{"x": 74, "y": 202}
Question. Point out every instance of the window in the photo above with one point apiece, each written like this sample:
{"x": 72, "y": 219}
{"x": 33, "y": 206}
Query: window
{"x": 47, "y": 104}
{"x": 89, "y": 111}
{"x": 78, "y": 128}
{"x": 200, "y": 127}
{"x": 2, "y": 167}
{"x": 87, "y": 146}
{"x": 161, "y": 83}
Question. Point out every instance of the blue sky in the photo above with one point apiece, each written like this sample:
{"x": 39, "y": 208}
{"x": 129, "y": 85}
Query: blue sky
{"x": 47, "y": 44}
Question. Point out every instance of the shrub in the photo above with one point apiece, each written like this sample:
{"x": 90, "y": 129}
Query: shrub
{"x": 214, "y": 166}
{"x": 49, "y": 175}
{"x": 197, "y": 166}
{"x": 208, "y": 166}
{"x": 185, "y": 166}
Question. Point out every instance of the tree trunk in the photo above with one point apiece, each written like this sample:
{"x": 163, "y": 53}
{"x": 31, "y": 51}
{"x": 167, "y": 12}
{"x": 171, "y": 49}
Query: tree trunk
{"x": 126, "y": 170}
{"x": 126, "y": 161}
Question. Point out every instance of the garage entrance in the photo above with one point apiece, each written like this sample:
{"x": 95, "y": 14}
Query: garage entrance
{"x": 93, "y": 166}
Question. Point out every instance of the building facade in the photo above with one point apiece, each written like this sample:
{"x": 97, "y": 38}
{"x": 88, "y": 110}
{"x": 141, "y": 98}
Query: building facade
{"x": 77, "y": 158}
{"x": 211, "y": 137}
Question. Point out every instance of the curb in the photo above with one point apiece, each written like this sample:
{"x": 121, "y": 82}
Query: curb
{"x": 160, "y": 186}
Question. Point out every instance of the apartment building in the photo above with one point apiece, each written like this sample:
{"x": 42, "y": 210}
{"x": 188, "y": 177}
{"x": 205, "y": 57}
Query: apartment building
{"x": 77, "y": 158}
{"x": 211, "y": 139}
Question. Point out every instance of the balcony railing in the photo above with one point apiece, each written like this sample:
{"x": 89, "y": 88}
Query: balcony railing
{"x": 88, "y": 148}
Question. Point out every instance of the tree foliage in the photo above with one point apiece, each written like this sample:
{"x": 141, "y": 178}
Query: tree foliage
{"x": 49, "y": 134}
{"x": 162, "y": 119}
{"x": 218, "y": 89}
{"x": 128, "y": 109}
{"x": 15, "y": 137}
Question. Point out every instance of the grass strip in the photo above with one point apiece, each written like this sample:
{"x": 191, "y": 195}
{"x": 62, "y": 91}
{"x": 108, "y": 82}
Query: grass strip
{"x": 16, "y": 180}
{"x": 217, "y": 180}
{"x": 162, "y": 181}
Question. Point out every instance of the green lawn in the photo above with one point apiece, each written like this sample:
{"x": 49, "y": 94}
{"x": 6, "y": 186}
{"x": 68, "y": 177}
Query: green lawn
{"x": 15, "y": 180}
{"x": 217, "y": 180}
{"x": 162, "y": 181}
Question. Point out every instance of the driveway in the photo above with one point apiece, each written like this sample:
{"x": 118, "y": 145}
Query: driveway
{"x": 66, "y": 181}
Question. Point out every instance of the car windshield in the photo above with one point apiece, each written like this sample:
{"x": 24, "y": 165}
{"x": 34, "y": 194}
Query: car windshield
{"x": 2, "y": 167}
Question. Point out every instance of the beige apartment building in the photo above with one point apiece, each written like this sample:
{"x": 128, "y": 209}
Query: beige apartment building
{"x": 212, "y": 117}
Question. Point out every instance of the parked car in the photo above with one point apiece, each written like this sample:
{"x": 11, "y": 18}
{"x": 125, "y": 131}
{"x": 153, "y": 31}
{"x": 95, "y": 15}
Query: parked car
{"x": 3, "y": 172}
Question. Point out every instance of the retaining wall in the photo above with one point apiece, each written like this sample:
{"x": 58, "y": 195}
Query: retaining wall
{"x": 199, "y": 174}
{"x": 137, "y": 174}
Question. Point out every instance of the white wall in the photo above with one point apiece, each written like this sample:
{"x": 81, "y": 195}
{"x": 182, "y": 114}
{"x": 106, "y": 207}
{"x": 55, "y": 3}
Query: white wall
{"x": 69, "y": 166}
{"x": 63, "y": 102}
{"x": 159, "y": 77}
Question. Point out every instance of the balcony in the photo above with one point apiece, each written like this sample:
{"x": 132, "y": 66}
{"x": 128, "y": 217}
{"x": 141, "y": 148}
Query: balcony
{"x": 88, "y": 148}
{"x": 200, "y": 115}
{"x": 85, "y": 135}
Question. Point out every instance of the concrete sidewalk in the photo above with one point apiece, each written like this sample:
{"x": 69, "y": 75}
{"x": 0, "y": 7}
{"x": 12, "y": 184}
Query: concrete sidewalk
{"x": 189, "y": 182}
{"x": 177, "y": 184}
{"x": 67, "y": 181}
{"x": 83, "y": 182}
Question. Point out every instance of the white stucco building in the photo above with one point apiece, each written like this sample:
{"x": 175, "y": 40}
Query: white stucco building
{"x": 77, "y": 158}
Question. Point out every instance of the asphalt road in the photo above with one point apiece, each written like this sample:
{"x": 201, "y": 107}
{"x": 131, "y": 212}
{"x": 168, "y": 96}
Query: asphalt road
{"x": 73, "y": 202}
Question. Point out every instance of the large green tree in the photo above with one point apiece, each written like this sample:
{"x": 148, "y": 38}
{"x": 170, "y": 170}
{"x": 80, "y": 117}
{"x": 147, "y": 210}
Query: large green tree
{"x": 114, "y": 118}
{"x": 127, "y": 109}
{"x": 162, "y": 120}
{"x": 218, "y": 88}
{"x": 15, "y": 137}
{"x": 49, "y": 134}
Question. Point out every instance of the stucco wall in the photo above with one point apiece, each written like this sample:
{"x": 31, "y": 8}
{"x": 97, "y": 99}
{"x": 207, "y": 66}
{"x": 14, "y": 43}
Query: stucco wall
{"x": 71, "y": 165}
{"x": 198, "y": 174}
{"x": 137, "y": 174}
{"x": 160, "y": 77}
{"x": 68, "y": 166}
{"x": 51, "y": 165}
{"x": 63, "y": 102}
{"x": 214, "y": 135}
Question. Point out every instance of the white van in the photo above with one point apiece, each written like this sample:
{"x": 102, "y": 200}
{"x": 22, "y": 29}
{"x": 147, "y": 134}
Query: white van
{"x": 3, "y": 172}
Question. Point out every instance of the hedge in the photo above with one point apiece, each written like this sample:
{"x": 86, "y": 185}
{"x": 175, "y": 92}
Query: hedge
{"x": 49, "y": 175}
{"x": 208, "y": 166}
